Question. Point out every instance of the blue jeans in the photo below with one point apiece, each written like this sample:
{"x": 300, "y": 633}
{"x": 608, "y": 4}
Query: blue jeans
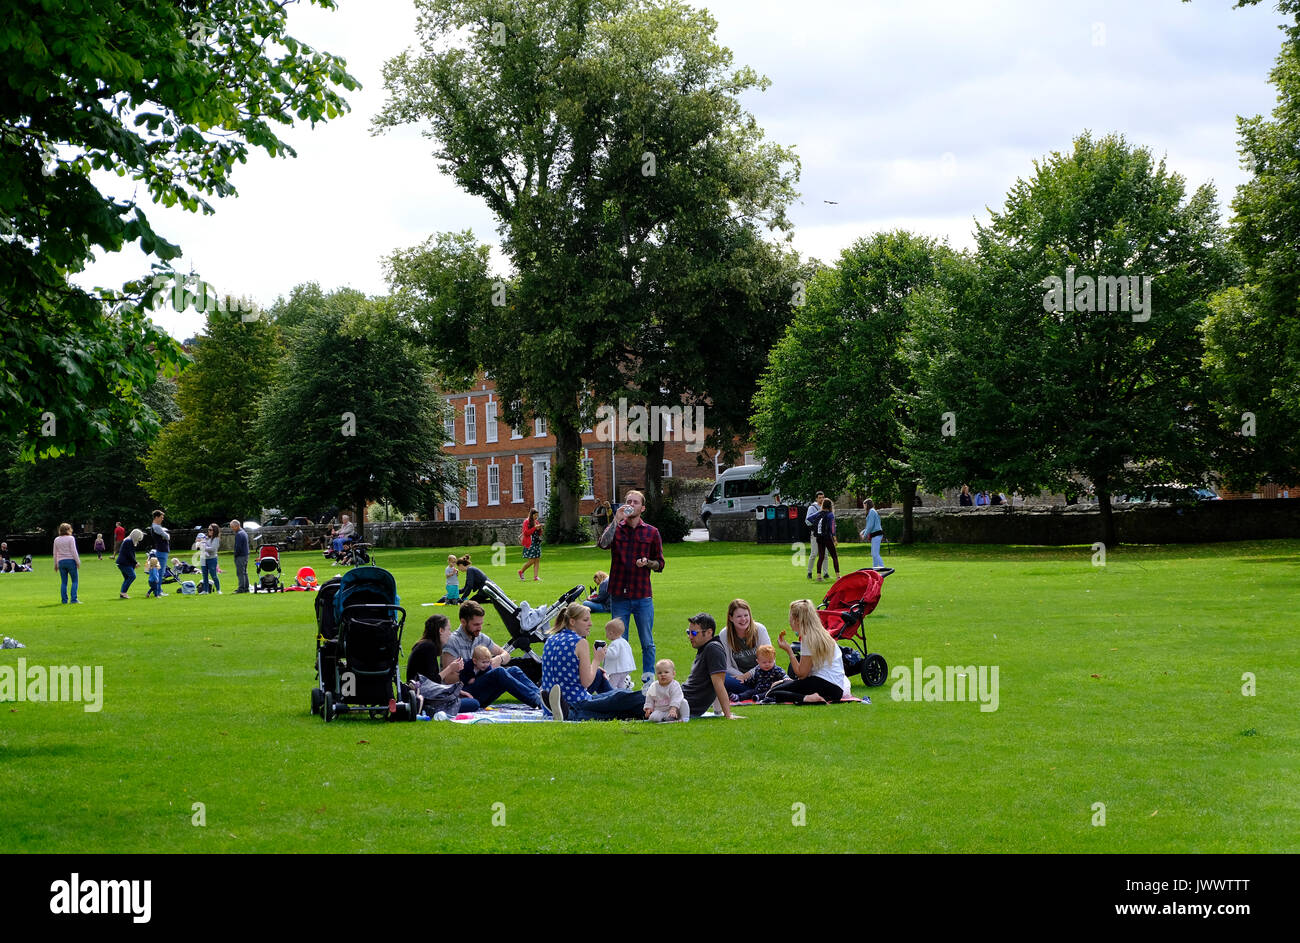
{"x": 210, "y": 568}
{"x": 128, "y": 577}
{"x": 735, "y": 685}
{"x": 601, "y": 683}
{"x": 644, "y": 611}
{"x": 162, "y": 568}
{"x": 875, "y": 551}
{"x": 613, "y": 705}
{"x": 67, "y": 568}
{"x": 595, "y": 606}
{"x": 496, "y": 682}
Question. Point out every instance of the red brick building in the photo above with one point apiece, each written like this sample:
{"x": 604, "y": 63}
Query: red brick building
{"x": 509, "y": 470}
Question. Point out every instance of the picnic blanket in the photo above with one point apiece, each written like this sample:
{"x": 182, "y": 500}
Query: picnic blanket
{"x": 498, "y": 714}
{"x": 843, "y": 700}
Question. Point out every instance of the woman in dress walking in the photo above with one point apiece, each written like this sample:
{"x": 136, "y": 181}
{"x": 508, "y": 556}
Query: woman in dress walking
{"x": 532, "y": 543}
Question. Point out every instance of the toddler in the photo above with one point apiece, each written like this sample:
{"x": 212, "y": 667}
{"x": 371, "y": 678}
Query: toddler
{"x": 619, "y": 661}
{"x": 761, "y": 678}
{"x": 153, "y": 572}
{"x": 452, "y": 580}
{"x": 99, "y": 545}
{"x": 664, "y": 700}
{"x": 480, "y": 664}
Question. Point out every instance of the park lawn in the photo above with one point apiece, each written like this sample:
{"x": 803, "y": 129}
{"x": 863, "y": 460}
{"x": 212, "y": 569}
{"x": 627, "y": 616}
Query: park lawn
{"x": 1120, "y": 685}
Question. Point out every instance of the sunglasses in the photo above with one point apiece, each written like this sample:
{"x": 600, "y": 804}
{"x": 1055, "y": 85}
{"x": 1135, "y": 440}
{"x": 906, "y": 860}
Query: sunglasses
{"x": 694, "y": 632}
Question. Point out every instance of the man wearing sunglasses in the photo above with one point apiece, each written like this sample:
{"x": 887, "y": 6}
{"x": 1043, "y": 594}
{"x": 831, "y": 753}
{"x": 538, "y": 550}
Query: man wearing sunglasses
{"x": 709, "y": 670}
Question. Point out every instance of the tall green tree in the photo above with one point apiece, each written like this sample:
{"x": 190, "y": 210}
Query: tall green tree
{"x": 1253, "y": 334}
{"x": 600, "y": 133}
{"x": 353, "y": 416}
{"x": 100, "y": 485}
{"x": 833, "y": 407}
{"x": 197, "y": 466}
{"x": 172, "y": 95}
{"x": 1077, "y": 351}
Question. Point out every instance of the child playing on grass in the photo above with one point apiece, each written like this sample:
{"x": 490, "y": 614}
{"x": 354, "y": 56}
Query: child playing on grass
{"x": 760, "y": 679}
{"x": 664, "y": 700}
{"x": 452, "y": 580}
{"x": 153, "y": 572}
{"x": 99, "y": 545}
{"x": 619, "y": 661}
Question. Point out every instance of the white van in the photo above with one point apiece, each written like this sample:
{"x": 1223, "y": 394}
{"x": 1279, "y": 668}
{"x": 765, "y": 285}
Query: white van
{"x": 737, "y": 491}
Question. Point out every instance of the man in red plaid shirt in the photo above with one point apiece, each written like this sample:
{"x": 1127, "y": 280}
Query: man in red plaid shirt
{"x": 636, "y": 551}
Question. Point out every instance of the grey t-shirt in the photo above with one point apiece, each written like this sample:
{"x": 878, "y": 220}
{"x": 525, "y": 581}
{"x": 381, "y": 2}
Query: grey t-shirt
{"x": 462, "y": 645}
{"x": 698, "y": 689}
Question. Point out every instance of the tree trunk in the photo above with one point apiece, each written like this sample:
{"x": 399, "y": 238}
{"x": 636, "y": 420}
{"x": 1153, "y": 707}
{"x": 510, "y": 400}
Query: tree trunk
{"x": 908, "y": 489}
{"x": 1101, "y": 485}
{"x": 566, "y": 482}
{"x": 654, "y": 479}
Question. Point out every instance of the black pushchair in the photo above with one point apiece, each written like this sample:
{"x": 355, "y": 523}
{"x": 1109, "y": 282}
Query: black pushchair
{"x": 527, "y": 626}
{"x": 359, "y": 647}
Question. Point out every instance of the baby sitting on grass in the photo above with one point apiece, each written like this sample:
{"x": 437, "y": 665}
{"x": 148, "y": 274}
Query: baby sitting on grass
{"x": 664, "y": 700}
{"x": 759, "y": 680}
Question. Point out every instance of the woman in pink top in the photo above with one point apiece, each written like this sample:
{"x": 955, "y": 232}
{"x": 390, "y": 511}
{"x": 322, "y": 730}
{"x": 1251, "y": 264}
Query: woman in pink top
{"x": 66, "y": 561}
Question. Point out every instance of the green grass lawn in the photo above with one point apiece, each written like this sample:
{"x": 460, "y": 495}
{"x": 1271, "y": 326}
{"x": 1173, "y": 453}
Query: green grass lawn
{"x": 1119, "y": 685}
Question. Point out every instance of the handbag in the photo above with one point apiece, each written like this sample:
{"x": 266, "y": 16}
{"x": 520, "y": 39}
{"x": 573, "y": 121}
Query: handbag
{"x": 439, "y": 697}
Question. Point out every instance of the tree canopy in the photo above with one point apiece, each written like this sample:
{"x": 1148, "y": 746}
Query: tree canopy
{"x": 1077, "y": 351}
{"x": 197, "y": 466}
{"x": 352, "y": 417}
{"x": 1253, "y": 335}
{"x": 171, "y": 95}
{"x": 608, "y": 139}
{"x": 834, "y": 402}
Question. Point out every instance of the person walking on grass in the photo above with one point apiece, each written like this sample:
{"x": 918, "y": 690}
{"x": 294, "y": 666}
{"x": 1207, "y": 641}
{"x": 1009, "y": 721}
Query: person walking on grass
{"x": 66, "y": 561}
{"x": 127, "y": 562}
{"x": 813, "y": 510}
{"x": 824, "y": 528}
{"x": 636, "y": 551}
{"x": 874, "y": 532}
{"x": 531, "y": 539}
{"x": 119, "y": 535}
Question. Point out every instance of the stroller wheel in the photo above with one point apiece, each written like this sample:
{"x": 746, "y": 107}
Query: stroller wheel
{"x": 874, "y": 670}
{"x": 412, "y": 705}
{"x": 327, "y": 708}
{"x": 317, "y": 700}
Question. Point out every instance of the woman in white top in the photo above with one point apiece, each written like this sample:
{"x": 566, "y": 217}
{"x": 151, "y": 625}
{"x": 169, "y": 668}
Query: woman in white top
{"x": 817, "y": 672}
{"x": 740, "y": 640}
{"x": 209, "y": 546}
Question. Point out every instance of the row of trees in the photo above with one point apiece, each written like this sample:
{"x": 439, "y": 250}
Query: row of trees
{"x": 324, "y": 401}
{"x": 634, "y": 199}
{"x": 1027, "y": 364}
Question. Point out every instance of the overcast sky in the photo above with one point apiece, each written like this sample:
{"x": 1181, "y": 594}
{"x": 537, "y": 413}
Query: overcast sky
{"x": 910, "y": 114}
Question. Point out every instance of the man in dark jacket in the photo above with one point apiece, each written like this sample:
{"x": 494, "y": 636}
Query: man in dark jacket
{"x": 241, "y": 555}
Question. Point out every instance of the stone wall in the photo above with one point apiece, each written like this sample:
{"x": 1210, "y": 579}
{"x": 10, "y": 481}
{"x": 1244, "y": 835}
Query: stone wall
{"x": 1205, "y": 521}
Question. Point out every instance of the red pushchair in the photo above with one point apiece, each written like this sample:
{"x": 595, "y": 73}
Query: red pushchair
{"x": 849, "y": 601}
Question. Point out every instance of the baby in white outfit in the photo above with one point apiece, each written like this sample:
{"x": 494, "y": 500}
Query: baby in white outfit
{"x": 664, "y": 700}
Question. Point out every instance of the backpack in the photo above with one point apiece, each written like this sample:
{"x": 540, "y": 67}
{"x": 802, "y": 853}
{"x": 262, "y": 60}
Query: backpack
{"x": 822, "y": 527}
{"x": 146, "y": 542}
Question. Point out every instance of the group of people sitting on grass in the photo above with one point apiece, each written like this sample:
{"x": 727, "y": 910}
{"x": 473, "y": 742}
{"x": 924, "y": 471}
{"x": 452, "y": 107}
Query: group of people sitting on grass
{"x": 464, "y": 670}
